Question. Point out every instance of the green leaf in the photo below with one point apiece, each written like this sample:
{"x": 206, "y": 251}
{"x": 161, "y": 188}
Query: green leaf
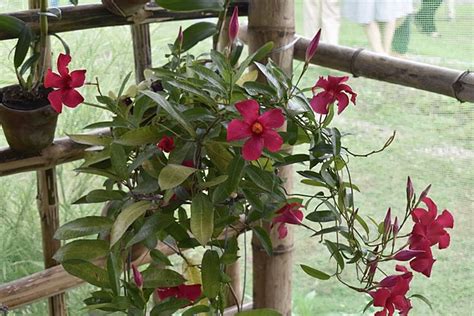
{"x": 202, "y": 218}
{"x": 152, "y": 225}
{"x": 126, "y": 218}
{"x": 195, "y": 310}
{"x": 88, "y": 272}
{"x": 173, "y": 175}
{"x": 196, "y": 33}
{"x": 213, "y": 182}
{"x": 263, "y": 179}
{"x": 22, "y": 46}
{"x": 191, "y": 5}
{"x": 114, "y": 271}
{"x": 265, "y": 240}
{"x": 259, "y": 312}
{"x": 119, "y": 159}
{"x": 140, "y": 136}
{"x": 169, "y": 307}
{"x": 315, "y": 273}
{"x": 234, "y": 171}
{"x": 334, "y": 250}
{"x": 170, "y": 110}
{"x": 154, "y": 277}
{"x": 159, "y": 257}
{"x": 321, "y": 216}
{"x": 12, "y": 25}
{"x": 258, "y": 55}
{"x": 219, "y": 155}
{"x": 82, "y": 249}
{"x": 85, "y": 226}
{"x": 210, "y": 271}
{"x": 100, "y": 196}
{"x": 424, "y": 299}
{"x": 329, "y": 230}
{"x": 94, "y": 140}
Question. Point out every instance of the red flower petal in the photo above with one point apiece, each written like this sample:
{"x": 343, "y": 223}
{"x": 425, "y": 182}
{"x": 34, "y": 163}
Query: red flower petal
{"x": 78, "y": 77}
{"x": 322, "y": 83}
{"x": 321, "y": 101}
{"x": 53, "y": 80}
{"x": 190, "y": 292}
{"x": 165, "y": 292}
{"x": 253, "y": 148}
{"x": 423, "y": 264}
{"x": 342, "y": 102}
{"x": 335, "y": 80}
{"x": 282, "y": 231}
{"x": 313, "y": 46}
{"x": 444, "y": 241}
{"x": 71, "y": 97}
{"x": 55, "y": 99}
{"x": 238, "y": 130}
{"x": 63, "y": 62}
{"x": 380, "y": 297}
{"x": 249, "y": 109}
{"x": 446, "y": 219}
{"x": 272, "y": 119}
{"x": 234, "y": 24}
{"x": 272, "y": 140}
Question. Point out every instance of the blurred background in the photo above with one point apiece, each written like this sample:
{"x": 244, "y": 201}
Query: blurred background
{"x": 434, "y": 143}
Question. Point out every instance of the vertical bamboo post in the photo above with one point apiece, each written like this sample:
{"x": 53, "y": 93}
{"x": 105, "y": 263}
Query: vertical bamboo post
{"x": 141, "y": 49}
{"x": 48, "y": 206}
{"x": 273, "y": 20}
{"x": 47, "y": 200}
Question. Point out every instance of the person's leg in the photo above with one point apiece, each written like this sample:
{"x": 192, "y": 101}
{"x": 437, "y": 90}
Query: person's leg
{"x": 401, "y": 38}
{"x": 432, "y": 7}
{"x": 451, "y": 10}
{"x": 312, "y": 17}
{"x": 421, "y": 15}
{"x": 375, "y": 39}
{"x": 388, "y": 31}
{"x": 331, "y": 21}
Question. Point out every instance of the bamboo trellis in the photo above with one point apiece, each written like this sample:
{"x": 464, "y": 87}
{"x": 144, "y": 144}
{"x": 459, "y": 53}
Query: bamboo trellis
{"x": 277, "y": 26}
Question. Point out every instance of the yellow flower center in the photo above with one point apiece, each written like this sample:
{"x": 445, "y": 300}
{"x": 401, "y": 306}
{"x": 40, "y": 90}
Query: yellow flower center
{"x": 257, "y": 128}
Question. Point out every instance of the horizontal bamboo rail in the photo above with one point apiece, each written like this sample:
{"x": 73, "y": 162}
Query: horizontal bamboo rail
{"x": 91, "y": 16}
{"x": 363, "y": 63}
{"x": 61, "y": 151}
{"x": 56, "y": 280}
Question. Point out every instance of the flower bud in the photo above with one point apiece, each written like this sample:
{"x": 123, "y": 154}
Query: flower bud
{"x": 406, "y": 255}
{"x": 410, "y": 190}
{"x": 180, "y": 38}
{"x": 312, "y": 47}
{"x": 395, "y": 228}
{"x": 387, "y": 223}
{"x": 137, "y": 277}
{"x": 234, "y": 25}
{"x": 425, "y": 192}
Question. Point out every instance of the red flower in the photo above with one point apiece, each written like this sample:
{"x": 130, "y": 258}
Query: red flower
{"x": 257, "y": 129}
{"x": 166, "y": 144}
{"x": 391, "y": 294}
{"x": 189, "y": 292}
{"x": 137, "y": 277}
{"x": 234, "y": 25}
{"x": 423, "y": 263}
{"x": 430, "y": 228}
{"x": 288, "y": 214}
{"x": 334, "y": 89}
{"x": 65, "y": 83}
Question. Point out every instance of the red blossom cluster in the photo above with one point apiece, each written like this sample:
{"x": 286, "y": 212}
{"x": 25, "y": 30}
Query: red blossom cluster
{"x": 188, "y": 292}
{"x": 289, "y": 214}
{"x": 429, "y": 230}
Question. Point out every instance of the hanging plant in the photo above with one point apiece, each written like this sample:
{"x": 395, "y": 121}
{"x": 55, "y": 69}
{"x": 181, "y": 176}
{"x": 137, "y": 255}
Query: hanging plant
{"x": 194, "y": 159}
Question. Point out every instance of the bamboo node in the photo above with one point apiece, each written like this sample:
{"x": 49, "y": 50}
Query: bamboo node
{"x": 458, "y": 86}
{"x": 352, "y": 69}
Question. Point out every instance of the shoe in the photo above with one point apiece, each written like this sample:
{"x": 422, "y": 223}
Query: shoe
{"x": 435, "y": 35}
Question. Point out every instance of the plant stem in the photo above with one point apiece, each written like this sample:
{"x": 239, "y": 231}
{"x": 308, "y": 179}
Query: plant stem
{"x": 43, "y": 44}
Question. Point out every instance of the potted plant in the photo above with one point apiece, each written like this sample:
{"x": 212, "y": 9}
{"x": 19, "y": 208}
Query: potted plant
{"x": 29, "y": 109}
{"x": 193, "y": 159}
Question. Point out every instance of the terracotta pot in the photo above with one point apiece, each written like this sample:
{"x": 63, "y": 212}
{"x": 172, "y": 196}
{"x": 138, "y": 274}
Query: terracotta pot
{"x": 28, "y": 130}
{"x": 124, "y": 7}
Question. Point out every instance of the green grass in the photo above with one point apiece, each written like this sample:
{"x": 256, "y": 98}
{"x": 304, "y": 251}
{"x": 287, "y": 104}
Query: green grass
{"x": 434, "y": 144}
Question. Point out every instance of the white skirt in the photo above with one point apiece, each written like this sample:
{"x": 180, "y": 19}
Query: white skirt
{"x": 367, "y": 11}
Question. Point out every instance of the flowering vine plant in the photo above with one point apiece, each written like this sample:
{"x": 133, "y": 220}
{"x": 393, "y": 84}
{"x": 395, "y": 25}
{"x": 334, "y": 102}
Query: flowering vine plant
{"x": 195, "y": 156}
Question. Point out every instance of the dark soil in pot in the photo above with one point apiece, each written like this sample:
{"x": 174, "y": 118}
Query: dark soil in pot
{"x": 27, "y": 119}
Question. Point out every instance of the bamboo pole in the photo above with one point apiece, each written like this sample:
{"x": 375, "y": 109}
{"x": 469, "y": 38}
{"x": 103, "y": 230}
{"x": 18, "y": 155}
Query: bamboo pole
{"x": 404, "y": 72}
{"x": 52, "y": 281}
{"x": 92, "y": 16}
{"x": 141, "y": 49}
{"x": 61, "y": 151}
{"x": 272, "y": 274}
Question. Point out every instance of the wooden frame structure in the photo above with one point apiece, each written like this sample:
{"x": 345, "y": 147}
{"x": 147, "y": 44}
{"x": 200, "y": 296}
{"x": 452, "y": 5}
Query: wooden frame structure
{"x": 278, "y": 26}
